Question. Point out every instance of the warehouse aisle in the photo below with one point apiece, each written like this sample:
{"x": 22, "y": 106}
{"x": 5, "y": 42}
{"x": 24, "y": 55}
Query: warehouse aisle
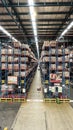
{"x": 38, "y": 115}
{"x": 44, "y": 116}
{"x": 33, "y": 92}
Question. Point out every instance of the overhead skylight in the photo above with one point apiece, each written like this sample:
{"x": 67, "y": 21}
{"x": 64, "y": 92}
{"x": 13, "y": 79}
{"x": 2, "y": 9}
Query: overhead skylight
{"x": 33, "y": 20}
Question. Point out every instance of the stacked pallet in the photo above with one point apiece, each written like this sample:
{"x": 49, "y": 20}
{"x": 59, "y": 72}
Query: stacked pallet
{"x": 54, "y": 71}
{"x": 18, "y": 65}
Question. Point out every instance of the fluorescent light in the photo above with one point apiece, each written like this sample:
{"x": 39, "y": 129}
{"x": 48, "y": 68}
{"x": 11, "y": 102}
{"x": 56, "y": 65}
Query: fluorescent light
{"x": 8, "y": 34}
{"x": 67, "y": 29}
{"x": 4, "y": 31}
{"x": 33, "y": 20}
{"x": 70, "y": 26}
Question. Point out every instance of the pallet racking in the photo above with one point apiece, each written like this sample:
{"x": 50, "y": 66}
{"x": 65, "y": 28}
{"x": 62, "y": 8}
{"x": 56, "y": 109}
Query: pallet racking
{"x": 17, "y": 67}
{"x": 54, "y": 72}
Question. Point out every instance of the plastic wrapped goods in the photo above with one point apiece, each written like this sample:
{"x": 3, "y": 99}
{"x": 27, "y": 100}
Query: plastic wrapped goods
{"x": 46, "y": 44}
{"x": 10, "y": 51}
{"x": 45, "y": 59}
{"x": 3, "y": 66}
{"x": 17, "y": 51}
{"x": 66, "y": 51}
{"x": 22, "y": 74}
{"x": 3, "y": 51}
{"x": 60, "y": 51}
{"x": 53, "y": 59}
{"x": 10, "y": 59}
{"x": 53, "y": 43}
{"x": 22, "y": 66}
{"x": 10, "y": 67}
{"x": 26, "y": 53}
{"x": 17, "y": 44}
{"x": 3, "y": 59}
{"x": 24, "y": 59}
{"x": 53, "y": 52}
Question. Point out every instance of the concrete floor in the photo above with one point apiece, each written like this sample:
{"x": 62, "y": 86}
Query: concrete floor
{"x": 36, "y": 115}
{"x": 42, "y": 116}
{"x": 8, "y": 113}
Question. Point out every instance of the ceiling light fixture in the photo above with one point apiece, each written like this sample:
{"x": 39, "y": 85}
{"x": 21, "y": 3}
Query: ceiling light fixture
{"x": 33, "y": 20}
{"x": 66, "y": 30}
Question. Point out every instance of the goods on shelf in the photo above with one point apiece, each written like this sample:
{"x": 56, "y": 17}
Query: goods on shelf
{"x": 18, "y": 63}
{"x": 54, "y": 70}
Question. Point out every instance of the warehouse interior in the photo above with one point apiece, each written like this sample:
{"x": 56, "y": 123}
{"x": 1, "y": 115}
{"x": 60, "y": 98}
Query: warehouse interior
{"x": 36, "y": 64}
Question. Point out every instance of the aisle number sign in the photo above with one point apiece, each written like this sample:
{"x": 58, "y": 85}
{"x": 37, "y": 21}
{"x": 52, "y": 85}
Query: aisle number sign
{"x": 12, "y": 79}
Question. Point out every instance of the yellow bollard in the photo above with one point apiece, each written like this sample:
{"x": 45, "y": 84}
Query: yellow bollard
{"x": 5, "y": 128}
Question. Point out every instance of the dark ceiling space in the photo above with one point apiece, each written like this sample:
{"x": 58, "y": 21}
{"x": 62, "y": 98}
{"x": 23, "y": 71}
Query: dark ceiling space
{"x": 52, "y": 17}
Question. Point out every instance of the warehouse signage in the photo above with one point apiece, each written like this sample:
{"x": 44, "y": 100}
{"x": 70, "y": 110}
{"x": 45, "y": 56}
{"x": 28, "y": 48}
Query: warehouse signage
{"x": 12, "y": 79}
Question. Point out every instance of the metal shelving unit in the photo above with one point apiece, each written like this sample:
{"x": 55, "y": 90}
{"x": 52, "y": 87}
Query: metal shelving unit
{"x": 56, "y": 85}
{"x": 15, "y": 65}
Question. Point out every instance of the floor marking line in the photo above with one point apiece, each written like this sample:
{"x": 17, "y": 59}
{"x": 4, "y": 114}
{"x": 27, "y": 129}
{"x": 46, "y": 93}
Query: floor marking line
{"x": 46, "y": 120}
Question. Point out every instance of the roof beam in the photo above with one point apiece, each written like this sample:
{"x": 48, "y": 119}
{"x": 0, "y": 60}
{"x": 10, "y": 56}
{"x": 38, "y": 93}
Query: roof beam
{"x": 32, "y": 29}
{"x": 38, "y": 13}
{"x": 31, "y": 25}
{"x": 37, "y": 20}
{"x": 4, "y": 2}
{"x": 67, "y": 16}
{"x": 38, "y": 4}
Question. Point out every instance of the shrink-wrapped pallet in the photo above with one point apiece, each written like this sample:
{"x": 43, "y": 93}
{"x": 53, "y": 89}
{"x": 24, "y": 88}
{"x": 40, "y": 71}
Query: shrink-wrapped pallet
{"x": 17, "y": 51}
{"x": 24, "y": 59}
{"x": 4, "y": 88}
{"x": 22, "y": 66}
{"x": 53, "y": 66}
{"x": 3, "y": 59}
{"x": 66, "y": 51}
{"x": 17, "y": 44}
{"x": 22, "y": 74}
{"x": 67, "y": 74}
{"x": 59, "y": 51}
{"x": 44, "y": 53}
{"x": 3, "y": 51}
{"x": 46, "y": 44}
{"x": 3, "y": 66}
{"x": 53, "y": 43}
{"x": 24, "y": 46}
{"x": 10, "y": 88}
{"x": 67, "y": 58}
{"x": 53, "y": 51}
{"x": 45, "y": 59}
{"x": 10, "y": 52}
{"x": 60, "y": 59}
{"x": 10, "y": 59}
{"x": 53, "y": 59}
{"x": 25, "y": 53}
{"x": 60, "y": 67}
{"x": 10, "y": 67}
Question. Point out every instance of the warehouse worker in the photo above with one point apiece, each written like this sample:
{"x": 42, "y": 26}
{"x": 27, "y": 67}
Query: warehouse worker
{"x": 5, "y": 128}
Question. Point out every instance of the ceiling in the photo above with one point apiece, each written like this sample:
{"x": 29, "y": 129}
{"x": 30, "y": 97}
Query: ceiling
{"x": 52, "y": 17}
